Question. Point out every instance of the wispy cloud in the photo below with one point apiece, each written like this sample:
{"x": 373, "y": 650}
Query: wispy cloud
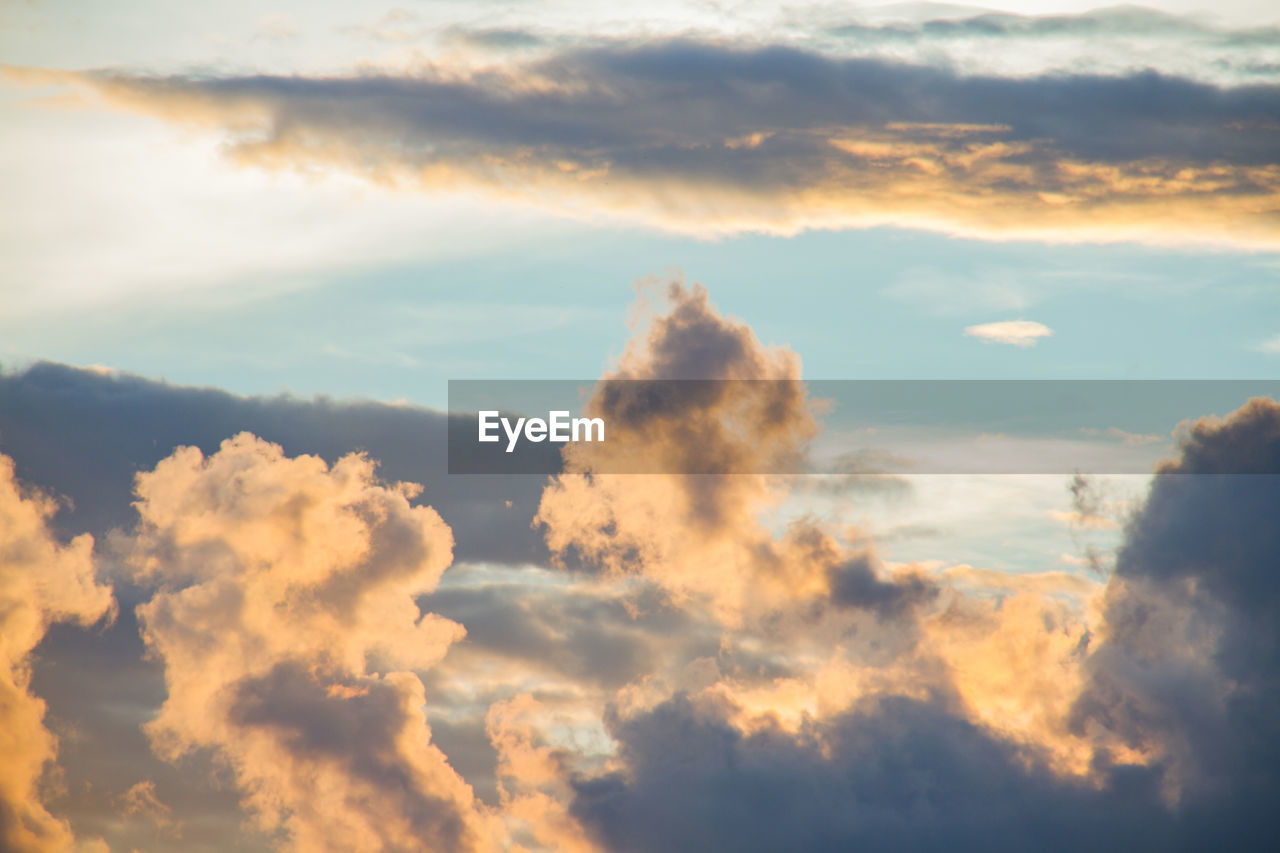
{"x": 1108, "y": 40}
{"x": 1018, "y": 333}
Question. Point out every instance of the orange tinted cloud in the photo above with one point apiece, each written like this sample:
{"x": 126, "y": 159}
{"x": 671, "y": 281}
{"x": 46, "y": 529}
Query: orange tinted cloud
{"x": 286, "y": 622}
{"x": 533, "y": 779}
{"x": 701, "y": 536}
{"x": 1005, "y": 651}
{"x": 709, "y": 138}
{"x": 41, "y": 582}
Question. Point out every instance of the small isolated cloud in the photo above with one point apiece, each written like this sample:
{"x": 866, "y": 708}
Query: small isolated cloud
{"x": 1018, "y": 333}
{"x": 1271, "y": 346}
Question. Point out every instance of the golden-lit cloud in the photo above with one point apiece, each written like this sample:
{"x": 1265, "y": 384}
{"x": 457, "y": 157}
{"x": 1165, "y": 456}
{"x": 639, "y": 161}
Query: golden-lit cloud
{"x": 42, "y": 581}
{"x": 1016, "y": 662}
{"x": 1006, "y": 652}
{"x": 709, "y": 138}
{"x": 533, "y": 779}
{"x": 701, "y": 536}
{"x": 1138, "y": 705}
{"x": 286, "y": 622}
{"x": 1007, "y": 649}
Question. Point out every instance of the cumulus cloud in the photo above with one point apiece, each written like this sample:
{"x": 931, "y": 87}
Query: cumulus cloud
{"x": 700, "y": 536}
{"x": 713, "y": 137}
{"x": 1018, "y": 333}
{"x": 1007, "y": 655}
{"x": 42, "y": 581}
{"x": 1001, "y": 659}
{"x": 894, "y": 773}
{"x": 286, "y": 622}
{"x": 1187, "y": 670}
{"x": 1155, "y": 729}
{"x": 102, "y": 686}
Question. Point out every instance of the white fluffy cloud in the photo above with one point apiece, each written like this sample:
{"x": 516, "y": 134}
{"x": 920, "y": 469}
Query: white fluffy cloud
{"x": 1018, "y": 333}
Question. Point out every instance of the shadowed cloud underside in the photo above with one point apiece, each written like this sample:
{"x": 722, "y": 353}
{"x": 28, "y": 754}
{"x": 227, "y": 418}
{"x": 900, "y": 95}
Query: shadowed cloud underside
{"x": 712, "y": 138}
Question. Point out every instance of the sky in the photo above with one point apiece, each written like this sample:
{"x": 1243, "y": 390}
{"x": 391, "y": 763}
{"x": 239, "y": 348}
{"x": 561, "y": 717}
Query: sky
{"x": 246, "y": 247}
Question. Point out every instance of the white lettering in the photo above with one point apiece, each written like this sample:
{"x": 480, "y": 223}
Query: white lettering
{"x": 587, "y": 424}
{"x": 512, "y": 434}
{"x": 487, "y": 423}
{"x": 558, "y": 427}
{"x": 559, "y": 423}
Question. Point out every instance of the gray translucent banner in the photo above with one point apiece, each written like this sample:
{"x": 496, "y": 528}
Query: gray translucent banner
{"x": 859, "y": 427}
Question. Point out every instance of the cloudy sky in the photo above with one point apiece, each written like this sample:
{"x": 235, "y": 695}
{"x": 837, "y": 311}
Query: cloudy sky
{"x": 245, "y": 606}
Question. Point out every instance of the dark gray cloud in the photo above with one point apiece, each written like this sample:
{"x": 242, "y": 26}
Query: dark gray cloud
{"x": 668, "y": 105}
{"x": 1192, "y": 663}
{"x": 84, "y": 435}
{"x": 1187, "y": 674}
{"x": 856, "y": 583}
{"x": 601, "y": 638}
{"x": 900, "y": 774}
{"x": 714, "y": 136}
{"x": 100, "y": 688}
{"x": 597, "y": 640}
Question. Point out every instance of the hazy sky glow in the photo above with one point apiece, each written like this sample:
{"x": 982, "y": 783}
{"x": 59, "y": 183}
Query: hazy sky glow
{"x": 244, "y": 605}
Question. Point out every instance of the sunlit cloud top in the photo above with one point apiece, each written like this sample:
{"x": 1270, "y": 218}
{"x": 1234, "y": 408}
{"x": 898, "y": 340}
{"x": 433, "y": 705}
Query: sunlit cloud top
{"x": 715, "y": 137}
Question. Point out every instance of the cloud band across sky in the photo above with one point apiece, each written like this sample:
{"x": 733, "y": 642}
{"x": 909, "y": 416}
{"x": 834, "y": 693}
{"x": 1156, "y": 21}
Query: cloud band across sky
{"x": 714, "y": 138}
